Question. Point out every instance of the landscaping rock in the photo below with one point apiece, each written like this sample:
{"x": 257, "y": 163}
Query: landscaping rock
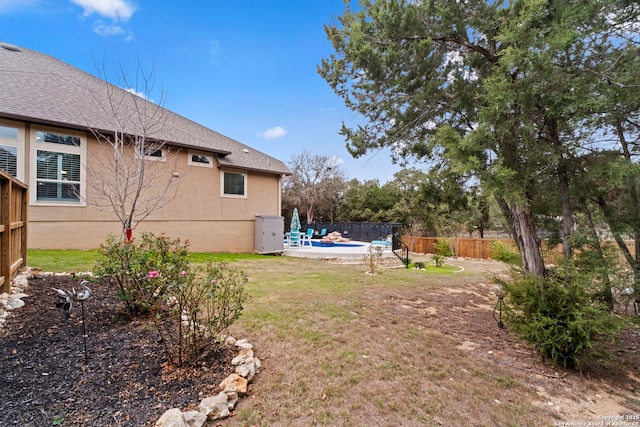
{"x": 194, "y": 418}
{"x": 215, "y": 407}
{"x": 172, "y": 418}
{"x": 242, "y": 357}
{"x": 235, "y": 383}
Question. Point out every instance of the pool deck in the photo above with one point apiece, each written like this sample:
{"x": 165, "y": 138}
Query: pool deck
{"x": 335, "y": 251}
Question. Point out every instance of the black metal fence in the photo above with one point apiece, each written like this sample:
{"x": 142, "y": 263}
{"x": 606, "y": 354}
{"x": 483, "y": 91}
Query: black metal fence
{"x": 360, "y": 231}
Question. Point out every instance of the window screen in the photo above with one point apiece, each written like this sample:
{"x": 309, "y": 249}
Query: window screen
{"x": 234, "y": 183}
{"x": 9, "y": 160}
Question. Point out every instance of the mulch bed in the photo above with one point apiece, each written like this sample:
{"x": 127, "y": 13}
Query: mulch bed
{"x": 44, "y": 379}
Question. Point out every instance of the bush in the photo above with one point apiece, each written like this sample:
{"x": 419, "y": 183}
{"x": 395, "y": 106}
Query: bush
{"x": 142, "y": 270}
{"x": 372, "y": 259}
{"x": 438, "y": 259}
{"x": 442, "y": 247}
{"x": 190, "y": 306}
{"x": 502, "y": 252}
{"x": 557, "y": 314}
{"x": 199, "y": 308}
{"x": 419, "y": 265}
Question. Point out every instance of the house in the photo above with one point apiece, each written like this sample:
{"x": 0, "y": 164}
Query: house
{"x": 53, "y": 121}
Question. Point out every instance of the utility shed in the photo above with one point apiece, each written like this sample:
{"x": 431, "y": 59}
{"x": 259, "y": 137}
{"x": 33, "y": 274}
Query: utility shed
{"x": 269, "y": 234}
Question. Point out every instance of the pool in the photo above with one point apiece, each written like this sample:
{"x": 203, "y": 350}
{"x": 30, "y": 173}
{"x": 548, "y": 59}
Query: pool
{"x": 321, "y": 244}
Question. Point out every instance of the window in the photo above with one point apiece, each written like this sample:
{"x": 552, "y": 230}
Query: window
{"x": 9, "y": 160}
{"x": 57, "y": 138}
{"x": 58, "y": 176}
{"x": 59, "y": 168}
{"x": 200, "y": 159}
{"x": 8, "y": 132}
{"x": 234, "y": 184}
{"x": 153, "y": 153}
{"x": 12, "y": 149}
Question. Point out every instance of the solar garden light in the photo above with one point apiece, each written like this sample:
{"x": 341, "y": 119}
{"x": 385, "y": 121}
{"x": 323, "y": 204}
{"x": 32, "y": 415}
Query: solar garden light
{"x": 65, "y": 303}
{"x": 500, "y": 293}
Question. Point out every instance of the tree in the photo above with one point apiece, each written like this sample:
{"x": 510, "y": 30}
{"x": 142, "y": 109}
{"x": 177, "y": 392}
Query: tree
{"x": 493, "y": 89}
{"x": 316, "y": 182}
{"x": 137, "y": 175}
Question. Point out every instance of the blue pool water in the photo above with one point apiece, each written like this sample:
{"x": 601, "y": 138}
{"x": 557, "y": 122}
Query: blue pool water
{"x": 335, "y": 244}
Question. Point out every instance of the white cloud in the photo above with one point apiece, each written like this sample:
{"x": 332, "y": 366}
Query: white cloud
{"x": 214, "y": 47}
{"x": 336, "y": 160}
{"x": 118, "y": 10}
{"x": 15, "y": 5}
{"x": 136, "y": 93}
{"x": 106, "y": 30}
{"x": 272, "y": 133}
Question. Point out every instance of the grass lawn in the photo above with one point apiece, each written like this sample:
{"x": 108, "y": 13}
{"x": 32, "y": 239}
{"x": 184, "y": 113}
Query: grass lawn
{"x": 404, "y": 347}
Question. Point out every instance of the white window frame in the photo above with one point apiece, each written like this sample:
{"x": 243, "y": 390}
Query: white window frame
{"x": 17, "y": 143}
{"x": 190, "y": 162}
{"x": 81, "y": 150}
{"x": 246, "y": 184}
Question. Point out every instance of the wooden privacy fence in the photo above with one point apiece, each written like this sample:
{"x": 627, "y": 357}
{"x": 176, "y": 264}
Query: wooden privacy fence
{"x": 485, "y": 248}
{"x": 464, "y": 248}
{"x": 13, "y": 229}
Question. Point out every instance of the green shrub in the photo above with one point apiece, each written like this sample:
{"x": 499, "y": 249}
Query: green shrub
{"x": 142, "y": 270}
{"x": 419, "y": 265}
{"x": 502, "y": 252}
{"x": 442, "y": 247}
{"x": 557, "y": 314}
{"x": 190, "y": 306}
{"x": 200, "y": 306}
{"x": 438, "y": 259}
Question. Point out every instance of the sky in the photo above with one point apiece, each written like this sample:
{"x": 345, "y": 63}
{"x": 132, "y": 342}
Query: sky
{"x": 246, "y": 69}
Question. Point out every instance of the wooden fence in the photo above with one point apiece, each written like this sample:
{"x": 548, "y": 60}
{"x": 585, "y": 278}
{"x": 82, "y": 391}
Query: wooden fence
{"x": 484, "y": 248}
{"x": 13, "y": 228}
{"x": 463, "y": 248}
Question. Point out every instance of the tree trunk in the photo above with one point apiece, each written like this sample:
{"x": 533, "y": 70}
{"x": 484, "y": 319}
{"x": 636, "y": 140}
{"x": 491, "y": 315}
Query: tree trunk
{"x": 524, "y": 233}
{"x": 527, "y": 239}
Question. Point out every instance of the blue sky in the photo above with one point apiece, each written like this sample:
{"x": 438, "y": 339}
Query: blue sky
{"x": 246, "y": 69}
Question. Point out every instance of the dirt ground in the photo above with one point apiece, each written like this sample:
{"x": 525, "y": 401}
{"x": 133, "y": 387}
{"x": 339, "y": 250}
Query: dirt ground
{"x": 45, "y": 380}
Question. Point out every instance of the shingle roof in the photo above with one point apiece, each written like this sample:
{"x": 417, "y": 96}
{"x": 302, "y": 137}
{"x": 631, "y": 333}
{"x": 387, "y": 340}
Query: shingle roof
{"x": 42, "y": 89}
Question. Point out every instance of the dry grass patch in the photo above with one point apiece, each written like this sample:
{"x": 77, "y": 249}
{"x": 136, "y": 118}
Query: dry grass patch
{"x": 403, "y": 347}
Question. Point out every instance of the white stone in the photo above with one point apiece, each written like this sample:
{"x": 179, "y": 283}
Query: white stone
{"x": 12, "y": 304}
{"x": 258, "y": 364}
{"x": 244, "y": 345}
{"x": 215, "y": 407}
{"x": 242, "y": 357}
{"x": 171, "y": 418}
{"x": 194, "y": 418}
{"x": 233, "y": 399}
{"x": 247, "y": 370}
{"x": 230, "y": 340}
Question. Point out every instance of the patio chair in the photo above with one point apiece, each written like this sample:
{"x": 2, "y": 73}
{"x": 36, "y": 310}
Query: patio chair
{"x": 307, "y": 237}
{"x": 294, "y": 240}
{"x": 323, "y": 232}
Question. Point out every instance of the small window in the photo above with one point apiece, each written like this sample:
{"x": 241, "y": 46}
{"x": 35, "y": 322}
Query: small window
{"x": 9, "y": 160}
{"x": 234, "y": 184}
{"x": 57, "y": 138}
{"x": 152, "y": 153}
{"x": 200, "y": 159}
{"x": 8, "y": 132}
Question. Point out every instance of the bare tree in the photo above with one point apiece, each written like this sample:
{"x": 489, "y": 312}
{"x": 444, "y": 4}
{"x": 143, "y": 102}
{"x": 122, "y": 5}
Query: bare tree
{"x": 134, "y": 171}
{"x": 314, "y": 182}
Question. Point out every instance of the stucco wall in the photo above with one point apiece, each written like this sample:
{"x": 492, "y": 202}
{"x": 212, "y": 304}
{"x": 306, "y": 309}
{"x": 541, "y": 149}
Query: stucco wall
{"x": 197, "y": 213}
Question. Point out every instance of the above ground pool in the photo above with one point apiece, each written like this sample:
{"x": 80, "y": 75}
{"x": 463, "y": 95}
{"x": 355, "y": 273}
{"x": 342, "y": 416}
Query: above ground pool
{"x": 338, "y": 244}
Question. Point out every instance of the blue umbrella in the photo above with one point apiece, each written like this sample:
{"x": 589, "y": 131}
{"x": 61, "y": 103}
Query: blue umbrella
{"x": 295, "y": 221}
